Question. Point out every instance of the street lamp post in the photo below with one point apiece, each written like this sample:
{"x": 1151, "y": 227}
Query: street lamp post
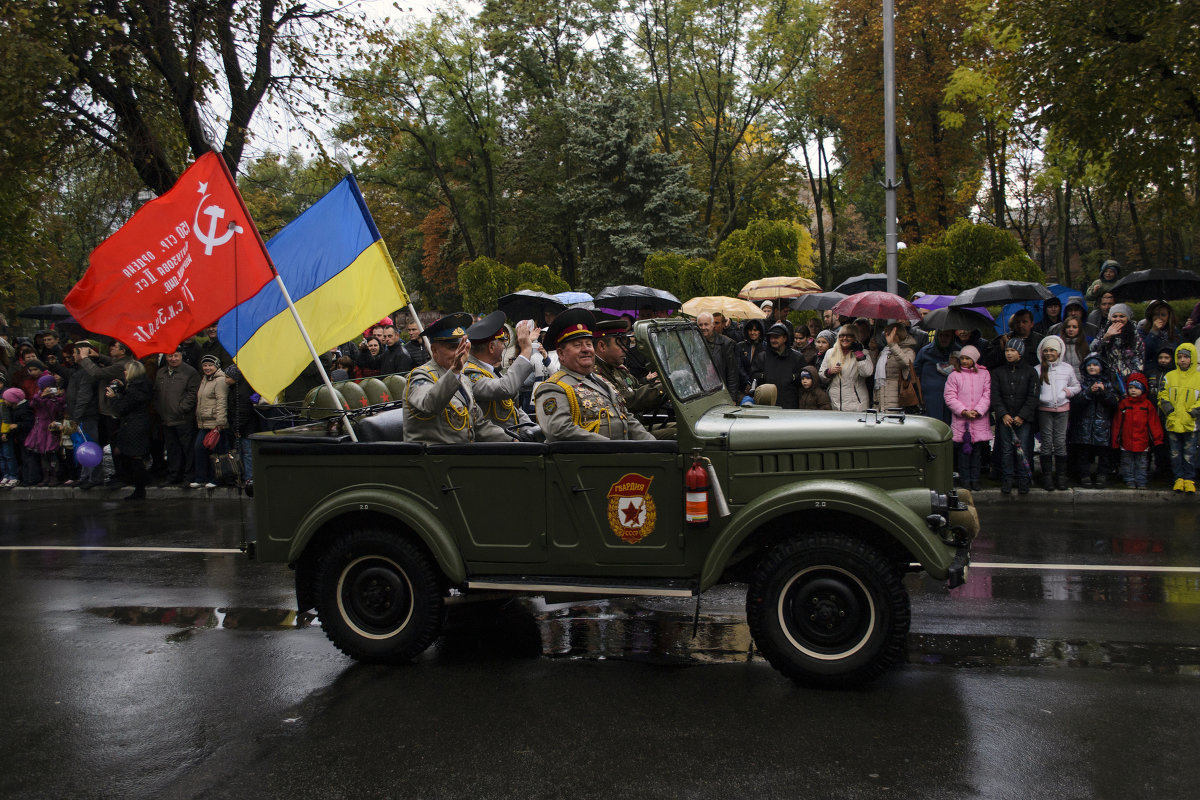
{"x": 889, "y": 136}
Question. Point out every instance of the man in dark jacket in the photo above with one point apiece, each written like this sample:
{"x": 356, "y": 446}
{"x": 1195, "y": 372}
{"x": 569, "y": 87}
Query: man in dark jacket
{"x": 1014, "y": 402}
{"x": 724, "y": 354}
{"x": 175, "y": 387}
{"x": 1020, "y": 326}
{"x": 395, "y": 358}
{"x": 779, "y": 366}
{"x": 415, "y": 348}
{"x": 83, "y": 404}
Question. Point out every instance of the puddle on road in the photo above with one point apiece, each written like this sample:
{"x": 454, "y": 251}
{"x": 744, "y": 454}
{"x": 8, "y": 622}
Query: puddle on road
{"x": 627, "y": 629}
{"x": 193, "y": 618}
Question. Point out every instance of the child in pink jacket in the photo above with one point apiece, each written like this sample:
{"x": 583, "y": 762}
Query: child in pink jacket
{"x": 968, "y": 395}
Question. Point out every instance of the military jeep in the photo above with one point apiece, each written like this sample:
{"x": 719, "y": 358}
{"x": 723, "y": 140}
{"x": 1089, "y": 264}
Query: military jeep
{"x": 819, "y": 513}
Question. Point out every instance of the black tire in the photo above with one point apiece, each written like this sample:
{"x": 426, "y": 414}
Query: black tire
{"x": 379, "y": 597}
{"x": 828, "y": 610}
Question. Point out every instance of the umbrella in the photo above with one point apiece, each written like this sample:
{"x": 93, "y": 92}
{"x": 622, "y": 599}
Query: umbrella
{"x": 776, "y": 288}
{"x": 573, "y": 298}
{"x": 1025, "y": 468}
{"x": 529, "y": 304}
{"x": 1000, "y": 292}
{"x": 632, "y": 297}
{"x": 1063, "y": 293}
{"x": 817, "y": 301}
{"x": 731, "y": 307}
{"x": 931, "y": 302}
{"x": 953, "y": 318}
{"x": 869, "y": 282}
{"x": 1157, "y": 284}
{"x": 877, "y": 305}
{"x": 51, "y": 311}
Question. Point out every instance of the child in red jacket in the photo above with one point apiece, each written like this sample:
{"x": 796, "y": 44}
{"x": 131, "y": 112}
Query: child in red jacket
{"x": 1136, "y": 430}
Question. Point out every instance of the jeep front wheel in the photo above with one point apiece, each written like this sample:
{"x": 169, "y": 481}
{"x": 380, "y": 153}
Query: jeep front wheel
{"x": 828, "y": 610}
{"x": 378, "y": 597}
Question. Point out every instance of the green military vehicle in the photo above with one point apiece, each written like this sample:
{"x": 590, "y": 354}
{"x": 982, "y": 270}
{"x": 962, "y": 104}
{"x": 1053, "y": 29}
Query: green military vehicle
{"x": 820, "y": 513}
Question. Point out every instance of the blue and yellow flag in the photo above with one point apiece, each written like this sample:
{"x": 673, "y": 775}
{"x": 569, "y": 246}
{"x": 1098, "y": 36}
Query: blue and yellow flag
{"x": 336, "y": 268}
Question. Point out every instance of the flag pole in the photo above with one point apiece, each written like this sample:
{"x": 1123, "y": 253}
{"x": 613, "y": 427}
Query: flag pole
{"x": 287, "y": 297}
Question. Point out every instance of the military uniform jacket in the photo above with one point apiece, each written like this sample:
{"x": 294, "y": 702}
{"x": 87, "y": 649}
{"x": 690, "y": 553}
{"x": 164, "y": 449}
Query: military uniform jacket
{"x": 439, "y": 408}
{"x": 640, "y": 397}
{"x": 575, "y": 406}
{"x": 495, "y": 392}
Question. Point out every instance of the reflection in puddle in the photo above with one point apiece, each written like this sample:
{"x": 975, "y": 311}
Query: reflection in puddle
{"x": 193, "y": 618}
{"x": 652, "y": 630}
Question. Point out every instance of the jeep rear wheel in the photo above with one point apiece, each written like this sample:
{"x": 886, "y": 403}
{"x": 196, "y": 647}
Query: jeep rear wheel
{"x": 828, "y": 610}
{"x": 378, "y": 597}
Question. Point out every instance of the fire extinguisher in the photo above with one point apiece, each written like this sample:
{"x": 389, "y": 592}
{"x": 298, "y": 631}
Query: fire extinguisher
{"x": 695, "y": 482}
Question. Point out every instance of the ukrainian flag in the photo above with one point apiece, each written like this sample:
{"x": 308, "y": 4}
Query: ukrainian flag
{"x": 338, "y": 271}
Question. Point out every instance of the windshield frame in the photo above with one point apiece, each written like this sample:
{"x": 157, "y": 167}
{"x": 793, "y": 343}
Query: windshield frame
{"x": 681, "y": 347}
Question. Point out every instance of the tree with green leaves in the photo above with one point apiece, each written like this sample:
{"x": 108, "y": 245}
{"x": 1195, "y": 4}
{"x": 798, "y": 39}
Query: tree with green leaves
{"x": 142, "y": 78}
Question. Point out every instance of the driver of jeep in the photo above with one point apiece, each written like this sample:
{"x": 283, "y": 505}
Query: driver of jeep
{"x": 575, "y": 403}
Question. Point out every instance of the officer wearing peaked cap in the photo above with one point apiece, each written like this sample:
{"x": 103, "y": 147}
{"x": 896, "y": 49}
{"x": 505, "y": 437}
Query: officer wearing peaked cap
{"x": 439, "y": 407}
{"x": 494, "y": 388}
{"x": 575, "y": 402}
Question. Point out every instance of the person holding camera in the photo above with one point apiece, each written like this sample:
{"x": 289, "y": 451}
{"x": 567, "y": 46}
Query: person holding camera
{"x": 130, "y": 399}
{"x": 845, "y": 370}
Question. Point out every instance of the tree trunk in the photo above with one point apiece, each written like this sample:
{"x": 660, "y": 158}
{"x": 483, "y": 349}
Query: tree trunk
{"x": 1062, "y": 262}
{"x": 1137, "y": 229}
{"x": 814, "y": 185}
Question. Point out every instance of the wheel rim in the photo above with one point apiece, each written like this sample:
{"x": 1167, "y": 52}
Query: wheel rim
{"x": 375, "y": 597}
{"x": 826, "y": 612}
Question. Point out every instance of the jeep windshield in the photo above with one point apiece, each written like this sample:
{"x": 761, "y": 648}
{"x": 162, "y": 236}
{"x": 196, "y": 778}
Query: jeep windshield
{"x": 689, "y": 366}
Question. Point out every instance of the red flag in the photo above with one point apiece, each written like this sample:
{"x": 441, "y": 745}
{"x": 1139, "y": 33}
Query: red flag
{"x": 182, "y": 261}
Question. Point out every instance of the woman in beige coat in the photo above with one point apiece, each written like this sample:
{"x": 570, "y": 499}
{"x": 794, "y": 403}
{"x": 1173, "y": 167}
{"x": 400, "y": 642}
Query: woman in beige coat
{"x": 210, "y": 415}
{"x": 895, "y": 361}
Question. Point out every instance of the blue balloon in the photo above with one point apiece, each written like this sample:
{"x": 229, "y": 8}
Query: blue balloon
{"x": 89, "y": 455}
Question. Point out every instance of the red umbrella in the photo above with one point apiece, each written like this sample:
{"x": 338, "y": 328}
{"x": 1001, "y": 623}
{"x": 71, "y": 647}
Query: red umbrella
{"x": 877, "y": 305}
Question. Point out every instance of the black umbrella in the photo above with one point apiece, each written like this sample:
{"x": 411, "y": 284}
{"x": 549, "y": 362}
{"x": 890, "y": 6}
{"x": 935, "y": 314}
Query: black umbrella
{"x": 1157, "y": 284}
{"x": 951, "y": 318}
{"x": 869, "y": 282}
{"x": 817, "y": 301}
{"x": 633, "y": 297}
{"x": 529, "y": 304}
{"x": 998, "y": 293}
{"x": 50, "y": 311}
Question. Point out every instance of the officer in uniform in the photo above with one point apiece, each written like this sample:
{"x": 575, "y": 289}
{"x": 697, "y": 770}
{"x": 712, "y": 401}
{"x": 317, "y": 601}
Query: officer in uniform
{"x": 439, "y": 407}
{"x": 641, "y": 397}
{"x": 575, "y": 402}
{"x": 494, "y": 388}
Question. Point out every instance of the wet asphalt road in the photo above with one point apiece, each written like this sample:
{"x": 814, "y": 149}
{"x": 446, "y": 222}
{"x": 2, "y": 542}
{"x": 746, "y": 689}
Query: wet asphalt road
{"x": 130, "y": 673}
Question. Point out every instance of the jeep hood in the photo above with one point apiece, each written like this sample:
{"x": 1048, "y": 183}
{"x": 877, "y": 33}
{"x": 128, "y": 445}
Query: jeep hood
{"x": 772, "y": 428}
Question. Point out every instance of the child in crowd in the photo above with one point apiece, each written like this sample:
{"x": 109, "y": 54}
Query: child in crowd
{"x": 10, "y": 469}
{"x": 1180, "y": 401}
{"x": 1158, "y": 364}
{"x": 811, "y": 393}
{"x": 22, "y": 423}
{"x": 1136, "y": 429}
{"x": 1058, "y": 384}
{"x": 1014, "y": 401}
{"x": 968, "y": 396}
{"x": 1090, "y": 426}
{"x": 44, "y": 440}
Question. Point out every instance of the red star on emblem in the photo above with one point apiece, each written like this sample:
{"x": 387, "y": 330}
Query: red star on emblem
{"x": 631, "y": 512}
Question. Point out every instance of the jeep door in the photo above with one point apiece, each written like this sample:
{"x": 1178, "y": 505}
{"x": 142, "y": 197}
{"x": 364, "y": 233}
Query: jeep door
{"x": 618, "y": 503}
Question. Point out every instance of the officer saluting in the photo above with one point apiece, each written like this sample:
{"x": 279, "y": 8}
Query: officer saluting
{"x": 575, "y": 403}
{"x": 438, "y": 405}
{"x": 496, "y": 390}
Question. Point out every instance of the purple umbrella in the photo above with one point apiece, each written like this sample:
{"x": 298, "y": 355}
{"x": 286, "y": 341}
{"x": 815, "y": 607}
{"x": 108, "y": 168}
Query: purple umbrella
{"x": 932, "y": 302}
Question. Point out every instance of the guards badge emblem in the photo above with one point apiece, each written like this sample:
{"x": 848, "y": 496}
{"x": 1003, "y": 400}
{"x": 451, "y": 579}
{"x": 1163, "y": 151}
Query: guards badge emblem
{"x": 631, "y": 512}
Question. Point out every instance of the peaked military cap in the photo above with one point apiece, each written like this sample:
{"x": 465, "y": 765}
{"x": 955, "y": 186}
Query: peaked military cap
{"x": 616, "y": 326}
{"x": 449, "y": 328}
{"x": 574, "y": 323}
{"x": 487, "y": 328}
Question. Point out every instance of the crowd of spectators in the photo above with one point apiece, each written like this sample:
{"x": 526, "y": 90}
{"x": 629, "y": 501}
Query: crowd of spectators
{"x": 1075, "y": 389}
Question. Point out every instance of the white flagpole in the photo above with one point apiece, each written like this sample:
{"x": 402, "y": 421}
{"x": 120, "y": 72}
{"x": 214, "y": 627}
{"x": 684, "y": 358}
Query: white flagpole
{"x": 316, "y": 357}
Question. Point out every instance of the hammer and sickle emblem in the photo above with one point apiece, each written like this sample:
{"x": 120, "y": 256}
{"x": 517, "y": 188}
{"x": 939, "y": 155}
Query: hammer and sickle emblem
{"x": 214, "y": 213}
